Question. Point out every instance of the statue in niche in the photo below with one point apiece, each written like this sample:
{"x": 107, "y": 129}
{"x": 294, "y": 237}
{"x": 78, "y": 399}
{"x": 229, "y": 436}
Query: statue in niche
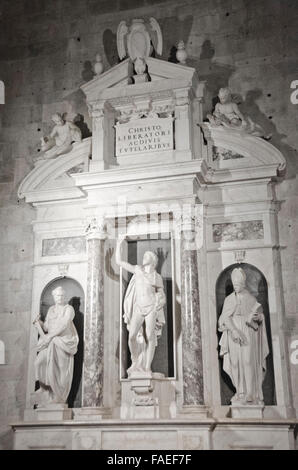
{"x": 243, "y": 344}
{"x": 61, "y": 138}
{"x": 143, "y": 310}
{"x": 228, "y": 115}
{"x": 57, "y": 346}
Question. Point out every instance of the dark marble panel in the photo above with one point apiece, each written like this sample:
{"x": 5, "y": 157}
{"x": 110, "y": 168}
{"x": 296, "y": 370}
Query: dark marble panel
{"x": 235, "y": 231}
{"x": 63, "y": 246}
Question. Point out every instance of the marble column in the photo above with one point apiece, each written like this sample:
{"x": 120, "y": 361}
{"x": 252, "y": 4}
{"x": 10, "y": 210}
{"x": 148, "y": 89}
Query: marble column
{"x": 93, "y": 375}
{"x": 192, "y": 361}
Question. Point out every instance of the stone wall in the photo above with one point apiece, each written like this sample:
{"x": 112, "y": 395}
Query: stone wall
{"x": 46, "y": 52}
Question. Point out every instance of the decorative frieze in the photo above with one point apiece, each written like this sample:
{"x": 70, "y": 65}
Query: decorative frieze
{"x": 236, "y": 231}
{"x": 220, "y": 153}
{"x": 63, "y": 246}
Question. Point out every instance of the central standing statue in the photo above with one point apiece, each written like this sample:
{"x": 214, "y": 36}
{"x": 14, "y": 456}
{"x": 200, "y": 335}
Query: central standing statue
{"x": 143, "y": 310}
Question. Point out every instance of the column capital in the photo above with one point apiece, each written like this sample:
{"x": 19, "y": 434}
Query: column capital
{"x": 96, "y": 109}
{"x": 182, "y": 96}
{"x": 96, "y": 229}
{"x": 189, "y": 217}
{"x": 189, "y": 224}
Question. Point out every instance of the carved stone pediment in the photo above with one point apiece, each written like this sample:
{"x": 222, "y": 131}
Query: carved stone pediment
{"x": 236, "y": 150}
{"x": 51, "y": 179}
{"x": 101, "y": 87}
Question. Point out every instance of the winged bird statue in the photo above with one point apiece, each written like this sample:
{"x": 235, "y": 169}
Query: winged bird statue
{"x": 136, "y": 40}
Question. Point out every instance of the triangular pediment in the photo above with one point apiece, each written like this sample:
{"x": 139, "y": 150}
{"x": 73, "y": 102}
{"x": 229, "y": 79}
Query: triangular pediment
{"x": 120, "y": 76}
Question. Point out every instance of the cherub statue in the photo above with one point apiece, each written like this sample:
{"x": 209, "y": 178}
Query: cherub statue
{"x": 61, "y": 138}
{"x": 228, "y": 115}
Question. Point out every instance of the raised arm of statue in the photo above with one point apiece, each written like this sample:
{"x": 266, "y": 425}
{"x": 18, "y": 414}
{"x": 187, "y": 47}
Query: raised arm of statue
{"x": 123, "y": 264}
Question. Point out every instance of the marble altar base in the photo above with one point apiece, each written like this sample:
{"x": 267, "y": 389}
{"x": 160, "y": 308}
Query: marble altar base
{"x": 147, "y": 434}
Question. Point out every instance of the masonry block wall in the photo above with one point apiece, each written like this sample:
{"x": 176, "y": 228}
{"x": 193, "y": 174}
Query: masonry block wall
{"x": 46, "y": 52}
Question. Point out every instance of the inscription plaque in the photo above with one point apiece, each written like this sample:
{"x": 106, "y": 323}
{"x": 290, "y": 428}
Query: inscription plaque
{"x": 144, "y": 136}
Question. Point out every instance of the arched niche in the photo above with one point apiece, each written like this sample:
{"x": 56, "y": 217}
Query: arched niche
{"x": 75, "y": 297}
{"x": 257, "y": 285}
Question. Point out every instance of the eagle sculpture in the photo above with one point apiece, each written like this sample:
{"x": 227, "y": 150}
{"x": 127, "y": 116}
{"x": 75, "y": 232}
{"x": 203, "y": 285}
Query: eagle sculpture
{"x": 137, "y": 39}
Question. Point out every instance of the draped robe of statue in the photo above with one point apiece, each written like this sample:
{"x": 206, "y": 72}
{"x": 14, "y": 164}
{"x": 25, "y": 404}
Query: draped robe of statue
{"x": 54, "y": 364}
{"x": 154, "y": 306}
{"x": 239, "y": 308}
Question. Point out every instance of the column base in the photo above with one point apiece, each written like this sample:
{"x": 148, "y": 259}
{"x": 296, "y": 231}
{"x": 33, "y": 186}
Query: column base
{"x": 97, "y": 165}
{"x": 91, "y": 414}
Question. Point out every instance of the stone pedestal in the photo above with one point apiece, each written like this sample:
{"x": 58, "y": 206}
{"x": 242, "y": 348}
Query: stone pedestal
{"x": 54, "y": 412}
{"x": 143, "y": 404}
{"x": 194, "y": 412}
{"x": 91, "y": 414}
{"x": 145, "y": 397}
{"x": 247, "y": 411}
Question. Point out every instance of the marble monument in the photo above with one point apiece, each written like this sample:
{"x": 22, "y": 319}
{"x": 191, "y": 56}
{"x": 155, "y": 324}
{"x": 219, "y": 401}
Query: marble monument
{"x": 155, "y": 171}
